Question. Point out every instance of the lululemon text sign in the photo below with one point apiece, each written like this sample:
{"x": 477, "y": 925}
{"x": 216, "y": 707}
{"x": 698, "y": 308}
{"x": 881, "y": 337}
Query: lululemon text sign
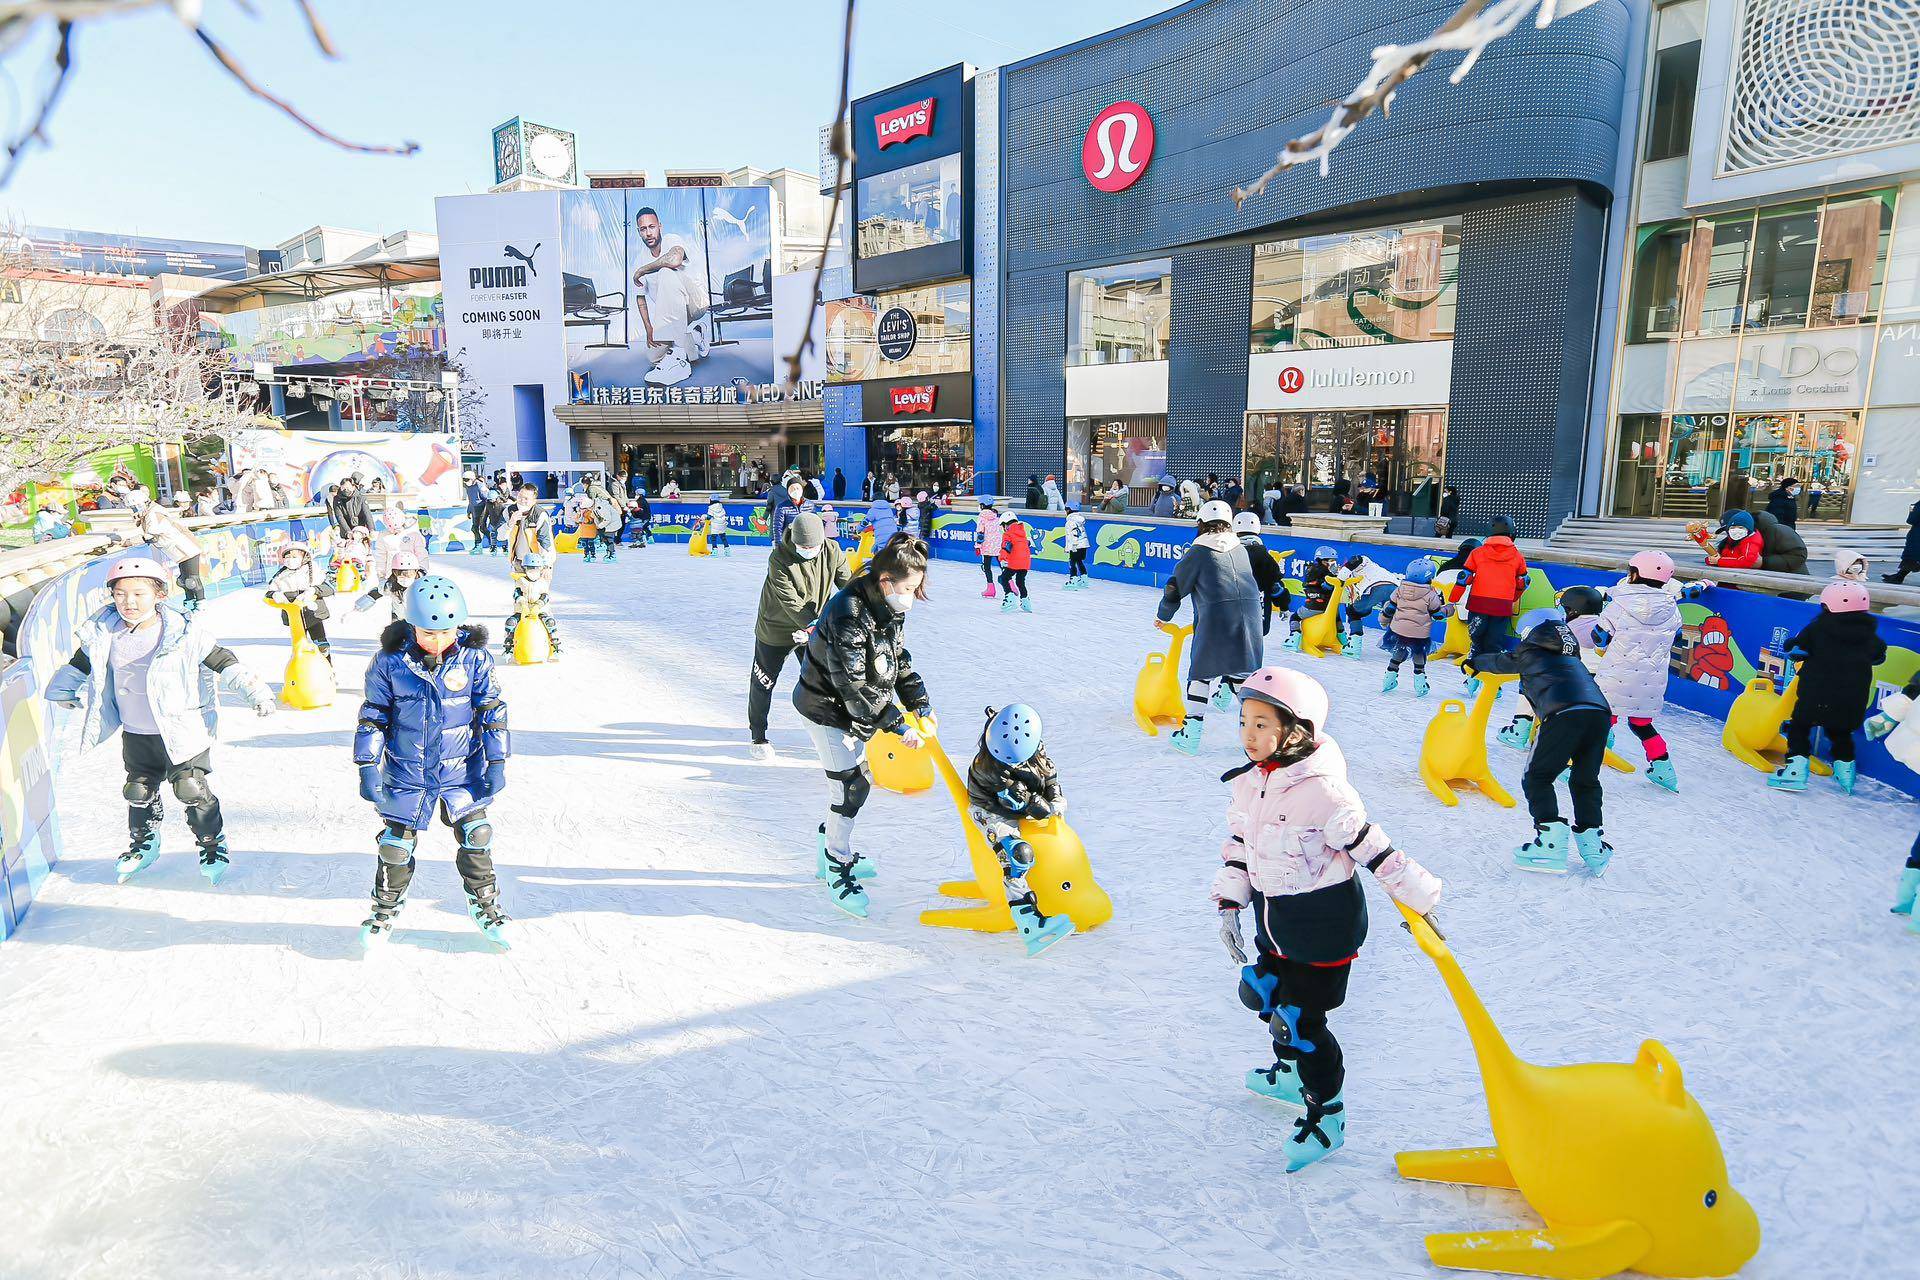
{"x": 1118, "y": 147}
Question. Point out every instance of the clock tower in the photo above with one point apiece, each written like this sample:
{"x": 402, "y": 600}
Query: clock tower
{"x": 534, "y": 157}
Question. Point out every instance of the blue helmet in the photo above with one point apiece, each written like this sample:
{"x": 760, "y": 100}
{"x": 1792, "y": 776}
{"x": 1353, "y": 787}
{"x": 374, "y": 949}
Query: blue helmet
{"x": 1325, "y": 553}
{"x": 435, "y": 604}
{"x": 534, "y": 560}
{"x": 1539, "y": 617}
{"x": 1420, "y": 572}
{"x": 1013, "y": 735}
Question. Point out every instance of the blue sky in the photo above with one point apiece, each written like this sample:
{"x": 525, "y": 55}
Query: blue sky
{"x": 153, "y": 139}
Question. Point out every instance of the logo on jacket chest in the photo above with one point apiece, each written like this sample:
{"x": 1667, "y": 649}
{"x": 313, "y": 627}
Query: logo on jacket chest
{"x": 882, "y": 664}
{"x": 456, "y": 680}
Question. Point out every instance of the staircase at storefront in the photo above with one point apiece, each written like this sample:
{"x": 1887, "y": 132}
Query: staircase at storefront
{"x": 1601, "y": 535}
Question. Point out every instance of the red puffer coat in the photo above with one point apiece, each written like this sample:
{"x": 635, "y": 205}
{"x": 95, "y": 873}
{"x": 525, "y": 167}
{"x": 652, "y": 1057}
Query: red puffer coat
{"x": 1016, "y": 552}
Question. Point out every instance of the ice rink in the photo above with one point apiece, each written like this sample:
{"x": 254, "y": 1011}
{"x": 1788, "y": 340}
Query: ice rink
{"x": 691, "y": 1065}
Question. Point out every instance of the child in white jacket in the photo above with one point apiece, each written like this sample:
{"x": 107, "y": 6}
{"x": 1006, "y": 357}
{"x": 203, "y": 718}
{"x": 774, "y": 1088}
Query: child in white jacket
{"x": 717, "y": 543}
{"x": 1077, "y": 544}
{"x": 1297, "y": 831}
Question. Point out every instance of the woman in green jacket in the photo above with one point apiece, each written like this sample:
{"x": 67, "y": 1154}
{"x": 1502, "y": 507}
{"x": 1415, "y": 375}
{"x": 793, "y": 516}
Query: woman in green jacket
{"x": 803, "y": 573}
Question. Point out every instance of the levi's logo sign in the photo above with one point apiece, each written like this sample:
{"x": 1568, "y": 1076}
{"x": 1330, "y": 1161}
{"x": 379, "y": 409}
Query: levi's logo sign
{"x": 915, "y": 120}
{"x": 912, "y": 399}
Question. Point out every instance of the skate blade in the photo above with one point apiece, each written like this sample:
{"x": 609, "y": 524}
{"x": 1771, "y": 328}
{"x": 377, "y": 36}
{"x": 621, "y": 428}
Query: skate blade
{"x": 128, "y": 870}
{"x": 854, "y": 905}
{"x": 1041, "y": 943}
{"x": 1541, "y": 868}
{"x": 215, "y": 872}
{"x": 497, "y": 937}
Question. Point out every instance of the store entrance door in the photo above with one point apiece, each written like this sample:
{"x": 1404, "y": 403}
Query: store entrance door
{"x": 1691, "y": 486}
{"x": 1348, "y": 460}
{"x": 1818, "y": 448}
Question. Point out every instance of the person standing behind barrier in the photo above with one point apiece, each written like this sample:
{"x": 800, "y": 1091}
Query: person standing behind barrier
{"x": 783, "y": 505}
{"x": 476, "y": 508}
{"x": 987, "y": 542}
{"x": 803, "y": 572}
{"x": 856, "y": 676}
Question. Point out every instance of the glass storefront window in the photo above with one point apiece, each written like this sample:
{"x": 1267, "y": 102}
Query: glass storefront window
{"x": 942, "y": 314}
{"x": 1696, "y": 466}
{"x": 1120, "y": 313}
{"x": 1357, "y": 288}
{"x": 1348, "y": 459}
{"x": 1783, "y": 255}
{"x": 911, "y": 207}
{"x": 1130, "y": 450}
{"x": 1818, "y": 448}
{"x": 1717, "y": 275}
{"x": 1676, "y": 83}
{"x": 1852, "y": 265}
{"x": 1658, "y": 264}
{"x": 1636, "y": 466}
{"x": 924, "y": 457}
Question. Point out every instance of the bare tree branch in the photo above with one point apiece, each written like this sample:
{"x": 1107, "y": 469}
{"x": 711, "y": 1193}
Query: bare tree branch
{"x": 36, "y": 132}
{"x": 1476, "y": 25}
{"x": 317, "y": 29}
{"x": 286, "y": 108}
{"x": 842, "y": 139}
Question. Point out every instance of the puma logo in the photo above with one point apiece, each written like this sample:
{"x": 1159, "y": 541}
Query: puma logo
{"x": 526, "y": 257}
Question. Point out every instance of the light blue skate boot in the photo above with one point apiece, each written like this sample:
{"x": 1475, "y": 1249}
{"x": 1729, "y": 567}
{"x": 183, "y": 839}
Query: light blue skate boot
{"x": 1037, "y": 931}
{"x": 1472, "y": 690}
{"x": 1026, "y": 604}
{"x": 1223, "y": 698}
{"x": 842, "y": 880}
{"x": 1594, "y": 851}
{"x": 1547, "y": 851}
{"x": 1391, "y": 682}
{"x": 1187, "y": 737}
{"x": 1317, "y": 1134}
{"x": 1660, "y": 773}
{"x": 1279, "y": 1082}
{"x": 1845, "y": 772}
{"x": 1009, "y": 602}
{"x": 1518, "y": 734}
{"x": 1420, "y": 686}
{"x": 1791, "y": 776}
{"x": 1292, "y": 643}
{"x": 483, "y": 908}
{"x": 213, "y": 859}
{"x": 1350, "y": 647}
{"x": 863, "y": 868}
{"x": 140, "y": 854}
{"x": 1909, "y": 888}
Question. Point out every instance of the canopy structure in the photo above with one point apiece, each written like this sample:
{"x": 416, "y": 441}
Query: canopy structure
{"x": 307, "y": 283}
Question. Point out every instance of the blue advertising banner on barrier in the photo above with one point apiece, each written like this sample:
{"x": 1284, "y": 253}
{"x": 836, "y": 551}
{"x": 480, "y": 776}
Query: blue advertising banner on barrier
{"x": 1729, "y": 639}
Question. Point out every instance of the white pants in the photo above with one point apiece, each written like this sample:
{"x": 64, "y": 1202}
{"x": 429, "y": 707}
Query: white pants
{"x": 676, "y": 319}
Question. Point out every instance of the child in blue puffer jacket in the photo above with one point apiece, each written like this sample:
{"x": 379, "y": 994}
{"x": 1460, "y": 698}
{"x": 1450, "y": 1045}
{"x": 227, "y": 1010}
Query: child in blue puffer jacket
{"x": 433, "y": 735}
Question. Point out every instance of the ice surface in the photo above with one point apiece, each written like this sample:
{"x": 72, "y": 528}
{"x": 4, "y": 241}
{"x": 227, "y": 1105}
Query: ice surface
{"x": 691, "y": 1065}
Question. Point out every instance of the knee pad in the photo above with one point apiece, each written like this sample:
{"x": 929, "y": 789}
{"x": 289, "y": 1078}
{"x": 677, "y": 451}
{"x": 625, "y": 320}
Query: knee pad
{"x": 855, "y": 786}
{"x": 396, "y": 848}
{"x": 1285, "y": 1025}
{"x": 1257, "y": 989}
{"x": 473, "y": 833}
{"x": 141, "y": 790}
{"x": 1017, "y": 854}
{"x": 192, "y": 789}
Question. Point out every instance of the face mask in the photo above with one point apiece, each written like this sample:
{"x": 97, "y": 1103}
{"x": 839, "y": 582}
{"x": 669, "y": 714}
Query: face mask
{"x": 806, "y": 553}
{"x": 435, "y": 645}
{"x": 1735, "y": 534}
{"x": 900, "y": 601}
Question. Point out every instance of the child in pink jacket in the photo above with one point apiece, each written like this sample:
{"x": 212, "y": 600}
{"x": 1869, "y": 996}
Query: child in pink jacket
{"x": 1296, "y": 833}
{"x": 987, "y": 540}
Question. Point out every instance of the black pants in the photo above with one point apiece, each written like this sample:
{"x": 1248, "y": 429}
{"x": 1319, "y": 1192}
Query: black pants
{"x": 1487, "y": 633}
{"x": 1900, "y": 575}
{"x": 473, "y": 858}
{"x": 190, "y": 578}
{"x": 316, "y": 629}
{"x": 1576, "y": 739}
{"x": 546, "y": 620}
{"x": 476, "y": 519}
{"x": 768, "y": 661}
{"x": 1077, "y": 563}
{"x": 1014, "y": 582}
{"x": 1839, "y": 736}
{"x": 987, "y": 565}
{"x": 148, "y": 765}
{"x": 1301, "y": 999}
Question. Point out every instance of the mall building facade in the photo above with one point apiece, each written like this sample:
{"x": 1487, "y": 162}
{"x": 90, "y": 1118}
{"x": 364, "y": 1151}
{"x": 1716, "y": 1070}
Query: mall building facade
{"x": 1771, "y": 325}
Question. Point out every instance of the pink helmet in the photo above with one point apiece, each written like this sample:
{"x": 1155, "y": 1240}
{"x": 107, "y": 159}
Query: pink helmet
{"x": 1652, "y": 566}
{"x": 1845, "y": 597}
{"x": 1294, "y": 692}
{"x": 292, "y": 547}
{"x": 403, "y": 562}
{"x": 137, "y": 567}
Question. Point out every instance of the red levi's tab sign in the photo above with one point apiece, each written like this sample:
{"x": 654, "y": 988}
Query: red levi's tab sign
{"x": 912, "y": 399}
{"x": 915, "y": 120}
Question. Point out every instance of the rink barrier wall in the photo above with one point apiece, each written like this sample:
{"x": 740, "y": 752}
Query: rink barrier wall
{"x": 237, "y": 552}
{"x": 1730, "y": 635}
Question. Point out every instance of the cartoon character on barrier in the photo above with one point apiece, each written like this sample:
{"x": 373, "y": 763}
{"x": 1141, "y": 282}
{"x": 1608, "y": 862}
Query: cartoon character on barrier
{"x": 1711, "y": 661}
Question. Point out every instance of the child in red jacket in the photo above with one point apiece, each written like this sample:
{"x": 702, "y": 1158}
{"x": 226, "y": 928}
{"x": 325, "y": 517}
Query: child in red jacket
{"x": 1492, "y": 580}
{"x": 1740, "y": 546}
{"x": 1016, "y": 557}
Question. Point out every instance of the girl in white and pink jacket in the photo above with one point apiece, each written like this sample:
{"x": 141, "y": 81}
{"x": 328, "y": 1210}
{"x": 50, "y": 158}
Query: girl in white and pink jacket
{"x": 987, "y": 541}
{"x": 1297, "y": 831}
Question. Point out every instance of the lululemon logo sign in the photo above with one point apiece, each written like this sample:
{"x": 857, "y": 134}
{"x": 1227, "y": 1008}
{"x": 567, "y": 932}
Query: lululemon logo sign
{"x": 1118, "y": 146}
{"x": 1291, "y": 379}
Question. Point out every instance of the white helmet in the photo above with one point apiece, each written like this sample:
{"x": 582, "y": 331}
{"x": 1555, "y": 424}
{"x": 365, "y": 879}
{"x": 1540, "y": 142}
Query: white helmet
{"x": 1246, "y": 522}
{"x": 1215, "y": 510}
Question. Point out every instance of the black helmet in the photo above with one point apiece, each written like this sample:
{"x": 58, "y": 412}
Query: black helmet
{"x": 1582, "y": 602}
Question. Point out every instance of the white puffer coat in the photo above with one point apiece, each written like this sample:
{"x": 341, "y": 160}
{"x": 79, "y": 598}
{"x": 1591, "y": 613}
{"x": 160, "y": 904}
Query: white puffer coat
{"x": 1641, "y": 621}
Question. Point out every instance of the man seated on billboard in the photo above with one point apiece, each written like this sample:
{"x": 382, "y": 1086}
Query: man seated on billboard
{"x": 672, "y": 301}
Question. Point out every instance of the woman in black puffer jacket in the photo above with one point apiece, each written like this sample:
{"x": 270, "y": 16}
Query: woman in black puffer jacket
{"x": 856, "y": 677}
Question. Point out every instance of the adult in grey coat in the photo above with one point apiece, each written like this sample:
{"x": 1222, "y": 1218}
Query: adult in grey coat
{"x": 1782, "y": 549}
{"x": 1216, "y": 576}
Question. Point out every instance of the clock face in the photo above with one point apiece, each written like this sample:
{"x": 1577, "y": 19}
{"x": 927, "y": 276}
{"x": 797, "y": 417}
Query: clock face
{"x": 550, "y": 155}
{"x": 506, "y": 153}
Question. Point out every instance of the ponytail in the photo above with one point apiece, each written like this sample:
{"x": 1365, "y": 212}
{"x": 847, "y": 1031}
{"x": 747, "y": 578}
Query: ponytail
{"x": 903, "y": 555}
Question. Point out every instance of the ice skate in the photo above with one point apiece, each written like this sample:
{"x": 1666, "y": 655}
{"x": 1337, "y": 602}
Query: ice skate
{"x": 213, "y": 859}
{"x": 1660, "y": 773}
{"x": 1845, "y": 772}
{"x": 1518, "y": 734}
{"x": 1390, "y": 682}
{"x": 377, "y": 929}
{"x": 761, "y": 751}
{"x": 1350, "y": 647}
{"x": 140, "y": 854}
{"x": 1472, "y": 690}
{"x": 1279, "y": 1082}
{"x": 990, "y": 592}
{"x": 1037, "y": 931}
{"x": 863, "y": 868}
{"x": 1317, "y": 1134}
{"x": 1420, "y": 686}
{"x": 483, "y": 908}
{"x": 1594, "y": 851}
{"x": 1187, "y": 737}
{"x": 1790, "y": 776}
{"x": 1223, "y": 698}
{"x": 1009, "y": 602}
{"x": 1292, "y": 643}
{"x": 1909, "y": 888}
{"x": 1026, "y": 604}
{"x": 1547, "y": 851}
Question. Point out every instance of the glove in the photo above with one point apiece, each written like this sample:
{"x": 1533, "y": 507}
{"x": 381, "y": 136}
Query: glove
{"x": 800, "y": 637}
{"x": 911, "y": 737}
{"x": 495, "y": 780}
{"x": 363, "y": 604}
{"x": 1880, "y": 726}
{"x": 71, "y": 701}
{"x": 1230, "y": 935}
{"x": 370, "y": 788}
